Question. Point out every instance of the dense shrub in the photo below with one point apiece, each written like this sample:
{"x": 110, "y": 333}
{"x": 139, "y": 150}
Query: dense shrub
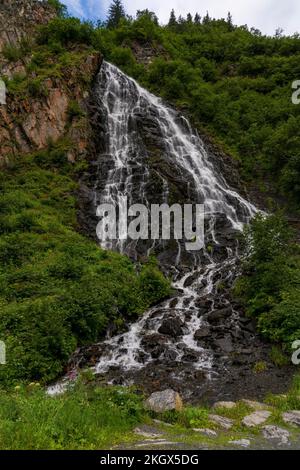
{"x": 270, "y": 284}
{"x": 66, "y": 31}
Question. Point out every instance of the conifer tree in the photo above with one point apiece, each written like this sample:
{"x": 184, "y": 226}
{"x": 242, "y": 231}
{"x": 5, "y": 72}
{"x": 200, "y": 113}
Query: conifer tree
{"x": 172, "y": 20}
{"x": 206, "y": 18}
{"x": 197, "y": 19}
{"x": 229, "y": 21}
{"x": 189, "y": 18}
{"x": 115, "y": 13}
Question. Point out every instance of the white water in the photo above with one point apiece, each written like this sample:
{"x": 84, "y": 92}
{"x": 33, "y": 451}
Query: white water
{"x": 123, "y": 100}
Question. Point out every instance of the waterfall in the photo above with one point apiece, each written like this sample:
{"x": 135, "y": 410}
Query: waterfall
{"x": 150, "y": 153}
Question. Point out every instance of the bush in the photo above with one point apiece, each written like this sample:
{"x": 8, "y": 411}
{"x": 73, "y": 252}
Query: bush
{"x": 270, "y": 283}
{"x": 36, "y": 88}
{"x": 74, "y": 110}
{"x": 66, "y": 31}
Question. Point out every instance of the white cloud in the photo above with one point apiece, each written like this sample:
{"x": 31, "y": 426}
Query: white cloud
{"x": 267, "y": 15}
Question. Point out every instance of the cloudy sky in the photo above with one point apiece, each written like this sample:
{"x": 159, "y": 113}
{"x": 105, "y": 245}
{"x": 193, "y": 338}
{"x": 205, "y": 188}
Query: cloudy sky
{"x": 266, "y": 15}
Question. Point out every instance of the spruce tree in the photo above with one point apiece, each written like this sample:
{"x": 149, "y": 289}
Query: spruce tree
{"x": 206, "y": 18}
{"x": 172, "y": 20}
{"x": 229, "y": 21}
{"x": 115, "y": 13}
{"x": 197, "y": 19}
{"x": 189, "y": 18}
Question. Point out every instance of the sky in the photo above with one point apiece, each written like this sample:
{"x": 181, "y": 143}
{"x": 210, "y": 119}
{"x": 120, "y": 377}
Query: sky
{"x": 266, "y": 15}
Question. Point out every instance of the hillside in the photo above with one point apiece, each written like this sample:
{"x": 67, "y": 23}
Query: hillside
{"x": 198, "y": 111}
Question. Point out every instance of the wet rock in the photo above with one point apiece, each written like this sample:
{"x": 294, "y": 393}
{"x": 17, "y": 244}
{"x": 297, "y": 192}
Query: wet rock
{"x": 164, "y": 401}
{"x": 292, "y": 417}
{"x": 242, "y": 360}
{"x": 204, "y": 304}
{"x": 217, "y": 316}
{"x": 190, "y": 356}
{"x": 170, "y": 355}
{"x": 221, "y": 421}
{"x": 203, "y": 332}
{"x": 224, "y": 404}
{"x": 256, "y": 418}
{"x": 276, "y": 433}
{"x": 154, "y": 344}
{"x": 200, "y": 375}
{"x": 225, "y": 344}
{"x": 171, "y": 326}
{"x": 191, "y": 279}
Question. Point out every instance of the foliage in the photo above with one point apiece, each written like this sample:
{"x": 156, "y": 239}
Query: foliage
{"x": 116, "y": 13}
{"x": 57, "y": 289}
{"x": 66, "y": 31}
{"x": 60, "y": 9}
{"x": 74, "y": 110}
{"x": 270, "y": 285}
{"x": 84, "y": 418}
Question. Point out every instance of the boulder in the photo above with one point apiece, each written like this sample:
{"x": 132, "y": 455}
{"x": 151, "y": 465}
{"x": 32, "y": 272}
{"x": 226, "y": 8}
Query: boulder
{"x": 255, "y": 405}
{"x": 292, "y": 417}
{"x": 164, "y": 401}
{"x": 275, "y": 432}
{"x": 203, "y": 332}
{"x": 221, "y": 421}
{"x": 241, "y": 442}
{"x": 217, "y": 316}
{"x": 171, "y": 326}
{"x": 256, "y": 418}
{"x": 225, "y": 344}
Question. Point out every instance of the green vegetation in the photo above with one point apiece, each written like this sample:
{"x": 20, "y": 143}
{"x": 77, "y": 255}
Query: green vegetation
{"x": 60, "y": 9}
{"x": 57, "y": 289}
{"x": 91, "y": 417}
{"x": 115, "y": 14}
{"x": 270, "y": 285}
{"x": 84, "y": 418}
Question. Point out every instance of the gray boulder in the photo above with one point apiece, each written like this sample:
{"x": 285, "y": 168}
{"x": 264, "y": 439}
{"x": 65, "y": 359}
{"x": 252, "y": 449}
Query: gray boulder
{"x": 164, "y": 401}
{"x": 221, "y": 421}
{"x": 276, "y": 433}
{"x": 256, "y": 418}
{"x": 292, "y": 417}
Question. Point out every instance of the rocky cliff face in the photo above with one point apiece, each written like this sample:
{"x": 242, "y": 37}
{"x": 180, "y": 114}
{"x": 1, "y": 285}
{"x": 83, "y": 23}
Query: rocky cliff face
{"x": 19, "y": 17}
{"x": 29, "y": 121}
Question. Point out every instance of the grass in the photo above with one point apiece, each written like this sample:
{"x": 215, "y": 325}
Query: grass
{"x": 92, "y": 417}
{"x": 84, "y": 418}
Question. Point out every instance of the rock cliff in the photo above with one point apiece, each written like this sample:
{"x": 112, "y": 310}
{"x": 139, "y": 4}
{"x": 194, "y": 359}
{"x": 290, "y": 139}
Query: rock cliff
{"x": 38, "y": 106}
{"x": 19, "y": 17}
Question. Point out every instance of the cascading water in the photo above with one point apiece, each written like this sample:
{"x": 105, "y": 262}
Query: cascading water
{"x": 151, "y": 154}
